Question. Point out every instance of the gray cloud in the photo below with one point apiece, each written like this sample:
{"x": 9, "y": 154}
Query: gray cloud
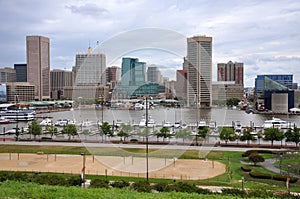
{"x": 88, "y": 9}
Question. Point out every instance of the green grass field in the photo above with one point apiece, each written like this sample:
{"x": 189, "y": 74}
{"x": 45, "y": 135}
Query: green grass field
{"x": 11, "y": 189}
{"x": 232, "y": 160}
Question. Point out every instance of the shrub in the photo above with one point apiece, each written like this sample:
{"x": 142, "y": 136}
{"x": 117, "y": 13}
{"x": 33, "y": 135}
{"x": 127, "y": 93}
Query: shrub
{"x": 247, "y": 153}
{"x": 185, "y": 187}
{"x": 246, "y": 168}
{"x": 99, "y": 183}
{"x": 233, "y": 192}
{"x": 141, "y": 186}
{"x": 261, "y": 175}
{"x": 255, "y": 158}
{"x": 133, "y": 140}
{"x": 164, "y": 187}
{"x": 284, "y": 178}
{"x": 120, "y": 184}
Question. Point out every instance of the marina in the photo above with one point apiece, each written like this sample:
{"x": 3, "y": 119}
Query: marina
{"x": 174, "y": 119}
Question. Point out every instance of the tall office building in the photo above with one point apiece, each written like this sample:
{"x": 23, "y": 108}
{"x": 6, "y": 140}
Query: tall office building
{"x": 59, "y": 79}
{"x": 90, "y": 68}
{"x": 7, "y": 75}
{"x": 181, "y": 84}
{"x": 38, "y": 65}
{"x": 199, "y": 75}
{"x": 231, "y": 72}
{"x": 133, "y": 72}
{"x": 153, "y": 74}
{"x": 21, "y": 72}
{"x": 113, "y": 76}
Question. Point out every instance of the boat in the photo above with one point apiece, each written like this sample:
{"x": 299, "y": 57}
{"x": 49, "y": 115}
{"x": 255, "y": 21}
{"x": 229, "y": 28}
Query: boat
{"x": 46, "y": 122}
{"x": 177, "y": 124}
{"x": 151, "y": 122}
{"x": 237, "y": 127}
{"x": 167, "y": 124}
{"x": 63, "y": 122}
{"x": 276, "y": 123}
{"x": 3, "y": 120}
{"x": 202, "y": 124}
{"x": 18, "y": 115}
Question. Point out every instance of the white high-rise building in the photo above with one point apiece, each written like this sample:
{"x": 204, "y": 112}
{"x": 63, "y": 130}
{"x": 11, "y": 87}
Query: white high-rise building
{"x": 199, "y": 74}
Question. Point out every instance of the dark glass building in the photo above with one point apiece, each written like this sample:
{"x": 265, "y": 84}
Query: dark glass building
{"x": 21, "y": 72}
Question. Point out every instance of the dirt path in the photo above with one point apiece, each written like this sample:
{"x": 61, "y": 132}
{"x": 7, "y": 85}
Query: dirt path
{"x": 113, "y": 165}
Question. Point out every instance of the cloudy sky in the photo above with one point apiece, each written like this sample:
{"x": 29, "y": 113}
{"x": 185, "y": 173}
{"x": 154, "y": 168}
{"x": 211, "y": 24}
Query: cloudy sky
{"x": 265, "y": 35}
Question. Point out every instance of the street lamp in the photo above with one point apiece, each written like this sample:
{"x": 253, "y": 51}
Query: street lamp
{"x": 243, "y": 180}
{"x": 288, "y": 181}
{"x": 102, "y": 99}
{"x": 147, "y": 147}
{"x": 83, "y": 169}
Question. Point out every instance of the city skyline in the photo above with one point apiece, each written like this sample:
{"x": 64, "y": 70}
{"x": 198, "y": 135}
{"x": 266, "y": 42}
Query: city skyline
{"x": 262, "y": 35}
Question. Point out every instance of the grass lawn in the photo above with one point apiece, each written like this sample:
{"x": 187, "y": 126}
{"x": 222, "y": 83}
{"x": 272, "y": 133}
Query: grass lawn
{"x": 232, "y": 160}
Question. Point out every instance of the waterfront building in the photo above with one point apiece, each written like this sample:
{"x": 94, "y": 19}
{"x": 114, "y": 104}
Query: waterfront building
{"x": 224, "y": 90}
{"x": 231, "y": 72}
{"x": 20, "y": 91}
{"x": 90, "y": 68}
{"x": 7, "y": 75}
{"x": 133, "y": 76}
{"x": 113, "y": 75}
{"x": 21, "y": 72}
{"x": 87, "y": 92}
{"x": 58, "y": 80}
{"x": 38, "y": 65}
{"x": 199, "y": 73}
{"x": 181, "y": 84}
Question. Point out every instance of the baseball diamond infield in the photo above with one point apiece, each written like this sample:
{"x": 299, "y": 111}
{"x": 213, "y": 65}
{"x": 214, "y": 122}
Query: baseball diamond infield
{"x": 112, "y": 165}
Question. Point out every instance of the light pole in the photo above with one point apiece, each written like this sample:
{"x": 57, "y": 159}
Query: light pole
{"x": 147, "y": 147}
{"x": 288, "y": 181}
{"x": 243, "y": 180}
{"x": 101, "y": 98}
{"x": 83, "y": 169}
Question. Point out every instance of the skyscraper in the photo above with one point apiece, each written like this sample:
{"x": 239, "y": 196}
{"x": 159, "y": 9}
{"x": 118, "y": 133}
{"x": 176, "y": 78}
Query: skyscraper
{"x": 21, "y": 72}
{"x": 181, "y": 84}
{"x": 199, "y": 75}
{"x": 59, "y": 79}
{"x": 231, "y": 72}
{"x": 7, "y": 75}
{"x": 38, "y": 65}
{"x": 113, "y": 75}
{"x": 133, "y": 72}
{"x": 90, "y": 68}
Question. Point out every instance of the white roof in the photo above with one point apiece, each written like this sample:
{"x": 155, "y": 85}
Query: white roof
{"x": 6, "y": 105}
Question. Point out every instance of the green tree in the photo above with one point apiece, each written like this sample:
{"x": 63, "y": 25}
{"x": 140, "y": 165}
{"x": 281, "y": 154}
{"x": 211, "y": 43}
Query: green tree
{"x": 202, "y": 132}
{"x": 247, "y": 135}
{"x": 259, "y": 136}
{"x": 164, "y": 132}
{"x": 52, "y": 130}
{"x": 142, "y": 133}
{"x": 183, "y": 134}
{"x": 227, "y": 133}
{"x": 122, "y": 134}
{"x": 86, "y": 132}
{"x": 106, "y": 129}
{"x": 273, "y": 134}
{"x": 256, "y": 158}
{"x": 70, "y": 130}
{"x": 293, "y": 135}
{"x": 17, "y": 133}
{"x": 35, "y": 128}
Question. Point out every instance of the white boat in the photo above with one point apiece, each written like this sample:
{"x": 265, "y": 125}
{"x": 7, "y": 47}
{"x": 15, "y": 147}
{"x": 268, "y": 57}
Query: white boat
{"x": 167, "y": 124}
{"x": 202, "y": 124}
{"x": 46, "y": 122}
{"x": 237, "y": 127}
{"x": 177, "y": 125}
{"x": 18, "y": 115}
{"x": 276, "y": 123}
{"x": 86, "y": 123}
{"x": 63, "y": 122}
{"x": 4, "y": 120}
{"x": 151, "y": 122}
